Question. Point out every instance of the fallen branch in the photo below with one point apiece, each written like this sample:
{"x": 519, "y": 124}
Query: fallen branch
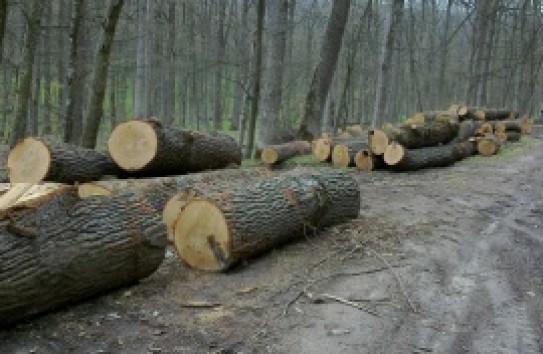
{"x": 320, "y": 299}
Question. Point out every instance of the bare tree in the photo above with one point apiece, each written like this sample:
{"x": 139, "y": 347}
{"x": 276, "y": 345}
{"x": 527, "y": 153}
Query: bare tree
{"x": 140, "y": 87}
{"x": 3, "y": 22}
{"x": 221, "y": 49}
{"x": 270, "y": 124}
{"x": 25, "y": 88}
{"x": 74, "y": 108}
{"x": 96, "y": 109}
{"x": 257, "y": 71}
{"x": 310, "y": 125}
{"x": 383, "y": 78}
{"x": 242, "y": 60}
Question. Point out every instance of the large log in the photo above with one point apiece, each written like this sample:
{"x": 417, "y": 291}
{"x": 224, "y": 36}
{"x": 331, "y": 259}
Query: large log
{"x": 365, "y": 160}
{"x": 148, "y": 148}
{"x": 343, "y": 153}
{"x": 400, "y": 158}
{"x": 33, "y": 160}
{"x": 275, "y": 154}
{"x": 218, "y": 230}
{"x": 488, "y": 145}
{"x": 440, "y": 131}
{"x": 93, "y": 246}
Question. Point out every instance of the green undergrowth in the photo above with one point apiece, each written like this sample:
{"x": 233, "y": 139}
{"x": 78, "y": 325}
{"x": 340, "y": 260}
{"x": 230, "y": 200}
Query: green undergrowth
{"x": 508, "y": 151}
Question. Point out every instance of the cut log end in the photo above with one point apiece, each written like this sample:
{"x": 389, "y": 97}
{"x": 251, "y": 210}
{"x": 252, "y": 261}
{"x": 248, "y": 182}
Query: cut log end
{"x": 132, "y": 145}
{"x": 340, "y": 156}
{"x": 322, "y": 149}
{"x": 363, "y": 160}
{"x": 202, "y": 236}
{"x": 378, "y": 141}
{"x": 172, "y": 208}
{"x": 393, "y": 153}
{"x": 29, "y": 161}
{"x": 269, "y": 155}
{"x": 487, "y": 147}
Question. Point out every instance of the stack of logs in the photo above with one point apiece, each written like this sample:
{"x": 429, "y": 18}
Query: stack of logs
{"x": 426, "y": 139}
{"x": 90, "y": 228}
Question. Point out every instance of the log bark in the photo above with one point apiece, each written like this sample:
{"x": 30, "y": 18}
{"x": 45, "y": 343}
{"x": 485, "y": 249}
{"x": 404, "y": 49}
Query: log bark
{"x": 147, "y": 148}
{"x": 508, "y": 125}
{"x": 34, "y": 160}
{"x": 475, "y": 113}
{"x": 499, "y": 114}
{"x": 400, "y": 158}
{"x": 221, "y": 229}
{"x": 275, "y": 154}
{"x": 94, "y": 245}
{"x": 467, "y": 129}
{"x": 440, "y": 131}
{"x": 344, "y": 153}
{"x": 513, "y": 136}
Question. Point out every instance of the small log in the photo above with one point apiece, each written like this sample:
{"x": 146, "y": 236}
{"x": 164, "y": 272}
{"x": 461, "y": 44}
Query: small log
{"x": 365, "y": 160}
{"x": 499, "y": 114}
{"x": 354, "y": 130}
{"x": 147, "y": 148}
{"x": 221, "y": 229}
{"x": 33, "y": 160}
{"x": 467, "y": 129}
{"x": 377, "y": 141}
{"x": 508, "y": 125}
{"x": 484, "y": 128}
{"x": 526, "y": 124}
{"x": 400, "y": 158}
{"x": 475, "y": 113}
{"x": 422, "y": 118}
{"x": 513, "y": 136}
{"x": 466, "y": 149}
{"x": 322, "y": 149}
{"x": 343, "y": 153}
{"x": 437, "y": 132}
{"x": 501, "y": 136}
{"x": 275, "y": 154}
{"x": 93, "y": 246}
{"x": 488, "y": 145}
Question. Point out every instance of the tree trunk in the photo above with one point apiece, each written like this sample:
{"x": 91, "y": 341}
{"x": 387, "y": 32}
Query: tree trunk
{"x": 241, "y": 74}
{"x": 170, "y": 96}
{"x": 383, "y": 78}
{"x": 237, "y": 223}
{"x": 3, "y": 22}
{"x": 270, "y": 123}
{"x": 310, "y": 126}
{"x": 94, "y": 246}
{"x": 257, "y": 73}
{"x": 76, "y": 86}
{"x": 140, "y": 87}
{"x": 221, "y": 50}
{"x": 99, "y": 82}
{"x": 275, "y": 154}
{"x": 33, "y": 160}
{"x": 149, "y": 148}
{"x": 46, "y": 62}
{"x": 25, "y": 88}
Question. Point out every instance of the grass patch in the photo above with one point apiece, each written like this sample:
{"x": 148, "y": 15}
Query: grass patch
{"x": 508, "y": 151}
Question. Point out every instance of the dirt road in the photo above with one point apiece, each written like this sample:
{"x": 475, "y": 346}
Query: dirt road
{"x": 446, "y": 260}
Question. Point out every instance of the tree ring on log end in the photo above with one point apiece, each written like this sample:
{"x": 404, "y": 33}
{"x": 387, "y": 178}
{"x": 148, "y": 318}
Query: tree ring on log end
{"x": 202, "y": 236}
{"x": 340, "y": 156}
{"x": 269, "y": 155}
{"x": 394, "y": 153}
{"x": 322, "y": 149}
{"x": 132, "y": 145}
{"x": 172, "y": 209}
{"x": 364, "y": 160}
{"x": 29, "y": 161}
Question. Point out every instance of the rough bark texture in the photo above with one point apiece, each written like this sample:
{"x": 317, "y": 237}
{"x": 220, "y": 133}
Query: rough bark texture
{"x": 67, "y": 163}
{"x": 508, "y": 125}
{"x": 298, "y": 202}
{"x": 275, "y": 154}
{"x": 94, "y": 245}
{"x": 181, "y": 151}
{"x": 513, "y": 136}
{"x": 435, "y": 133}
{"x": 324, "y": 72}
{"x": 467, "y": 130}
{"x": 412, "y": 160}
{"x": 428, "y": 117}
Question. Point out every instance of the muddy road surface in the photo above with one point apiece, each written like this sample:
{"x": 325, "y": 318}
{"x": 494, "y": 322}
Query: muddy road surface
{"x": 444, "y": 260}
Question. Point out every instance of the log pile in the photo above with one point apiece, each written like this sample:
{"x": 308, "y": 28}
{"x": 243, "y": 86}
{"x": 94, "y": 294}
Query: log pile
{"x": 427, "y": 139}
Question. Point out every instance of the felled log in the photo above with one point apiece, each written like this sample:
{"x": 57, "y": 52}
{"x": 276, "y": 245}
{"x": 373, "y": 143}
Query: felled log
{"x": 513, "y": 136}
{"x": 400, "y": 158}
{"x": 322, "y": 149}
{"x": 377, "y": 141}
{"x": 488, "y": 145}
{"x": 354, "y": 130}
{"x": 343, "y": 153}
{"x": 467, "y": 129}
{"x": 65, "y": 250}
{"x": 499, "y": 114}
{"x": 508, "y": 125}
{"x": 413, "y": 137}
{"x": 275, "y": 154}
{"x": 484, "y": 128}
{"x": 465, "y": 149}
{"x": 216, "y": 231}
{"x": 526, "y": 124}
{"x": 365, "y": 160}
{"x": 475, "y": 113}
{"x": 35, "y": 159}
{"x": 148, "y": 148}
{"x": 430, "y": 116}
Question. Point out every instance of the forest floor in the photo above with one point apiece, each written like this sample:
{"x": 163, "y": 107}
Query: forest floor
{"x": 443, "y": 260}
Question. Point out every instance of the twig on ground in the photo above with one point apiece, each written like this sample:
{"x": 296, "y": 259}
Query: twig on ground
{"x": 319, "y": 298}
{"x": 398, "y": 279}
